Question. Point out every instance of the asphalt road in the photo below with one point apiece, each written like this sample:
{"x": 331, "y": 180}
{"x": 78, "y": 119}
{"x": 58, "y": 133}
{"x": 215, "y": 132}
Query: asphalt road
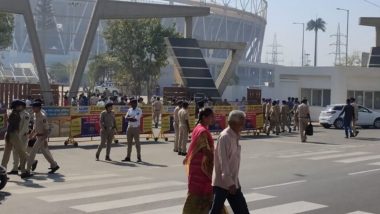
{"x": 279, "y": 175}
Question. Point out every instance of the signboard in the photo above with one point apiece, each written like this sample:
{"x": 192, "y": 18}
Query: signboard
{"x": 250, "y": 121}
{"x": 220, "y": 123}
{"x": 90, "y": 125}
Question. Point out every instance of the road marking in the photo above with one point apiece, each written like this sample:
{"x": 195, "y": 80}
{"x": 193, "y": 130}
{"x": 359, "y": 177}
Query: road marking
{"x": 77, "y": 185}
{"x": 375, "y": 164}
{"x": 109, "y": 191}
{"x": 278, "y": 185}
{"x": 290, "y": 208}
{"x": 359, "y": 159}
{"x": 363, "y": 172}
{"x": 308, "y": 154}
{"x": 62, "y": 180}
{"x": 139, "y": 200}
{"x": 359, "y": 212}
{"x": 338, "y": 155}
{"x": 178, "y": 209}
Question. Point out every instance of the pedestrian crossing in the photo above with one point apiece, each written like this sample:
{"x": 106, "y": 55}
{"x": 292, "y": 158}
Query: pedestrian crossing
{"x": 114, "y": 193}
{"x": 336, "y": 156}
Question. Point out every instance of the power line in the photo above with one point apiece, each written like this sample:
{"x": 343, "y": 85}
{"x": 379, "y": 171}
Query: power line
{"x": 372, "y": 3}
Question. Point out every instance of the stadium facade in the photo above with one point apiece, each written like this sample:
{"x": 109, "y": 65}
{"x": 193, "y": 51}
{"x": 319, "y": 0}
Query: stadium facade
{"x": 62, "y": 24}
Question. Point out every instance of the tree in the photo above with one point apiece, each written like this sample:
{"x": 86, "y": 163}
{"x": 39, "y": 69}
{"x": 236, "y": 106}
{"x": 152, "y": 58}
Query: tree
{"x": 59, "y": 73}
{"x": 316, "y": 25}
{"x": 354, "y": 59}
{"x": 101, "y": 68}
{"x": 6, "y": 30}
{"x": 140, "y": 48}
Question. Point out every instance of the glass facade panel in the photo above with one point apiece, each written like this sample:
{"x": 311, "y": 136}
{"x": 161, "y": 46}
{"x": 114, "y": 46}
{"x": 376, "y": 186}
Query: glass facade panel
{"x": 326, "y": 98}
{"x": 368, "y": 99}
{"x": 359, "y": 97}
{"x": 306, "y": 93}
{"x": 377, "y": 100}
{"x": 317, "y": 98}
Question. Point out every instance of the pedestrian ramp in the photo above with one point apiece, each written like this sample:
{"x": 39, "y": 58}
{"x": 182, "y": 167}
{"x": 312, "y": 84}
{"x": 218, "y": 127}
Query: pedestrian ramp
{"x": 336, "y": 156}
{"x": 113, "y": 193}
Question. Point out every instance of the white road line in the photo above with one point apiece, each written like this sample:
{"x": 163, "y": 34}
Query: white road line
{"x": 363, "y": 172}
{"x": 308, "y": 154}
{"x": 62, "y": 180}
{"x": 178, "y": 209}
{"x": 278, "y": 185}
{"x": 290, "y": 208}
{"x": 359, "y": 212}
{"x": 338, "y": 156}
{"x": 375, "y": 164}
{"x": 359, "y": 159}
{"x": 109, "y": 191}
{"x": 139, "y": 200}
{"x": 77, "y": 185}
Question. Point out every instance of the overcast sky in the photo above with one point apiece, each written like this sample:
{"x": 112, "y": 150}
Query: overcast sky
{"x": 282, "y": 13}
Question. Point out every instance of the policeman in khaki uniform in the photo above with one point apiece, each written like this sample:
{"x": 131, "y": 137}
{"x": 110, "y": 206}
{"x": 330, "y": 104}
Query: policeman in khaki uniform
{"x": 274, "y": 118}
{"x": 107, "y": 130}
{"x": 184, "y": 128}
{"x": 303, "y": 113}
{"x": 267, "y": 113}
{"x": 157, "y": 108}
{"x": 12, "y": 137}
{"x": 40, "y": 132}
{"x": 24, "y": 132}
{"x": 176, "y": 125}
{"x": 285, "y": 116}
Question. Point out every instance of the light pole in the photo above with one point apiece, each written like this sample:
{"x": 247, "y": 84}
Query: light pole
{"x": 348, "y": 20}
{"x": 303, "y": 41}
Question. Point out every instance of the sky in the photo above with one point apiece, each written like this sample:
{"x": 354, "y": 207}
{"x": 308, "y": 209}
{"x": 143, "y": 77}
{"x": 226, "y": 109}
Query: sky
{"x": 282, "y": 14}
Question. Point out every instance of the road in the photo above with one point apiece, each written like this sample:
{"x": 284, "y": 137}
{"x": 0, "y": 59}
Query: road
{"x": 279, "y": 175}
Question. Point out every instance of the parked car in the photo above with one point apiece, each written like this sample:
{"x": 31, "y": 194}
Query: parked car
{"x": 367, "y": 118}
{"x": 109, "y": 85}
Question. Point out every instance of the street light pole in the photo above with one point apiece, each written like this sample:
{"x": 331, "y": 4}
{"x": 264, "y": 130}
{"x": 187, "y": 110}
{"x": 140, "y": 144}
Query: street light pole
{"x": 348, "y": 20}
{"x": 303, "y": 42}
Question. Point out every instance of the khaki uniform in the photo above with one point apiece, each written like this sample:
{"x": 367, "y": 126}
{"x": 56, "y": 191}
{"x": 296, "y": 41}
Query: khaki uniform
{"x": 176, "y": 128}
{"x": 41, "y": 128}
{"x": 274, "y": 122}
{"x": 356, "y": 113}
{"x": 12, "y": 141}
{"x": 157, "y": 107}
{"x": 296, "y": 120}
{"x": 108, "y": 128}
{"x": 183, "y": 117}
{"x": 285, "y": 117}
{"x": 303, "y": 115}
{"x": 133, "y": 131}
{"x": 24, "y": 132}
{"x": 268, "y": 107}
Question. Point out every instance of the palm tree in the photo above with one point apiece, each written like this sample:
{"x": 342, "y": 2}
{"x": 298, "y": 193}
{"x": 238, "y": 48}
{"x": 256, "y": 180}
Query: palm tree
{"x": 316, "y": 25}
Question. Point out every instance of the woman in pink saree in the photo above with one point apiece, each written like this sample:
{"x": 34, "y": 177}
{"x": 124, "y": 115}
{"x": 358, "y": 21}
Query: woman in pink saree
{"x": 199, "y": 163}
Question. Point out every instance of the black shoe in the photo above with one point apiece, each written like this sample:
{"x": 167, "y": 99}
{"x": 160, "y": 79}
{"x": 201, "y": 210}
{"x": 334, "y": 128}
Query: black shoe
{"x": 34, "y": 165}
{"x": 346, "y": 137}
{"x": 175, "y": 150}
{"x": 13, "y": 172}
{"x": 352, "y": 135}
{"x": 26, "y": 175}
{"x": 184, "y": 153}
{"x": 108, "y": 158}
{"x": 139, "y": 160}
{"x": 356, "y": 133}
{"x": 290, "y": 130}
{"x": 127, "y": 159}
{"x": 179, "y": 153}
{"x": 97, "y": 157}
{"x": 54, "y": 169}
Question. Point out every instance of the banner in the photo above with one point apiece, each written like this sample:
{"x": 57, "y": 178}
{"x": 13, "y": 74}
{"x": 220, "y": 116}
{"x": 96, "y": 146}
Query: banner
{"x": 59, "y": 120}
{"x": 250, "y": 121}
{"x": 167, "y": 123}
{"x": 146, "y": 124}
{"x": 220, "y": 123}
{"x": 3, "y": 123}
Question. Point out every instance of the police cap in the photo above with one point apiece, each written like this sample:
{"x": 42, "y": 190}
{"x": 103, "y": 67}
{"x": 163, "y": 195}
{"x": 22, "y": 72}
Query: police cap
{"x": 36, "y": 104}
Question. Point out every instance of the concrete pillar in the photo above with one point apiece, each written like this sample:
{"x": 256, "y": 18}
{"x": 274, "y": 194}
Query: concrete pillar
{"x": 188, "y": 27}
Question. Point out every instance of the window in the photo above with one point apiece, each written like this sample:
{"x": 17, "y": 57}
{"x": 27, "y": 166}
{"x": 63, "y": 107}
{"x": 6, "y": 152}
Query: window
{"x": 377, "y": 100}
{"x": 317, "y": 97}
{"x": 368, "y": 99}
{"x": 359, "y": 97}
{"x": 362, "y": 109}
{"x": 338, "y": 108}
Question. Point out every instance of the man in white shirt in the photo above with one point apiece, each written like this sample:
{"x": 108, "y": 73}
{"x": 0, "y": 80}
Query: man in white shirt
{"x": 133, "y": 117}
{"x": 225, "y": 176}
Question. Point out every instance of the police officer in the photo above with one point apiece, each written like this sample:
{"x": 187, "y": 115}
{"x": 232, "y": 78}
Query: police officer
{"x": 157, "y": 107}
{"x": 268, "y": 107}
{"x": 176, "y": 125}
{"x": 133, "y": 117}
{"x": 285, "y": 116}
{"x": 40, "y": 132}
{"x": 107, "y": 130}
{"x": 184, "y": 128}
{"x": 295, "y": 115}
{"x": 274, "y": 118}
{"x": 12, "y": 137}
{"x": 24, "y": 132}
{"x": 303, "y": 113}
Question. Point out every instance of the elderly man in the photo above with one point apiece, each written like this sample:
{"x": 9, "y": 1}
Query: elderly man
{"x": 225, "y": 176}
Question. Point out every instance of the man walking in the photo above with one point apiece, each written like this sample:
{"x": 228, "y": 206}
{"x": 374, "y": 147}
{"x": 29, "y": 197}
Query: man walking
{"x": 157, "y": 107}
{"x": 184, "y": 128}
{"x": 40, "y": 132}
{"x": 349, "y": 116}
{"x": 295, "y": 115}
{"x": 303, "y": 113}
{"x": 285, "y": 116}
{"x": 176, "y": 125}
{"x": 356, "y": 115}
{"x": 107, "y": 130}
{"x": 133, "y": 117}
{"x": 274, "y": 118}
{"x": 225, "y": 176}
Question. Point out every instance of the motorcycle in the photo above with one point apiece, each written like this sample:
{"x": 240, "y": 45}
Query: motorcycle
{"x": 3, "y": 177}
